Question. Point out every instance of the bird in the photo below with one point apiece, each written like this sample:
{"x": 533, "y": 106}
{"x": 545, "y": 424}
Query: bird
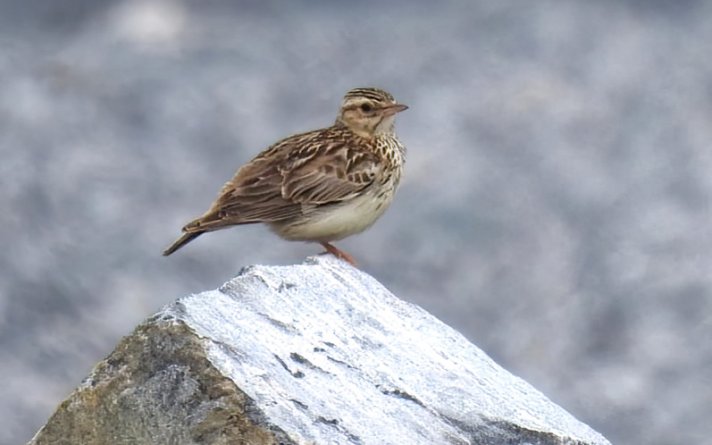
{"x": 319, "y": 186}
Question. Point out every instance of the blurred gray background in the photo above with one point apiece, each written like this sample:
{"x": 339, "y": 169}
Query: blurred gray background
{"x": 556, "y": 207}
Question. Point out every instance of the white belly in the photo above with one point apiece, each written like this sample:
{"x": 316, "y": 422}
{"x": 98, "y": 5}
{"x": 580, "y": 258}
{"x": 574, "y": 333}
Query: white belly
{"x": 337, "y": 221}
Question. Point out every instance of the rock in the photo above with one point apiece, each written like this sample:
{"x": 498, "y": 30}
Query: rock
{"x": 318, "y": 353}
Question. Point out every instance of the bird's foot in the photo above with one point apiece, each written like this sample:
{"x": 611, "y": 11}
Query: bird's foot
{"x": 338, "y": 253}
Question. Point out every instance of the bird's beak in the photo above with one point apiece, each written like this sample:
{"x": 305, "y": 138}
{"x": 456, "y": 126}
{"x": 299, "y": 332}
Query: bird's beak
{"x": 390, "y": 110}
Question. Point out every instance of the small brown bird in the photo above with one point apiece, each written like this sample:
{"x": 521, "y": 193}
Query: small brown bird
{"x": 320, "y": 186}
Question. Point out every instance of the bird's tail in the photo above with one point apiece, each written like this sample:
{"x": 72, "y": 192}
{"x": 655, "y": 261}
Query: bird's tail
{"x": 182, "y": 241}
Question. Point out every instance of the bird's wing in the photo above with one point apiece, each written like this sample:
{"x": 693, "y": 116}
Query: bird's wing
{"x": 253, "y": 195}
{"x": 289, "y": 178}
{"x": 329, "y": 172}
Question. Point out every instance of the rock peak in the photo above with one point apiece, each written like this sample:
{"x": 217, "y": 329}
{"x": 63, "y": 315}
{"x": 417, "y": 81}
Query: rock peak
{"x": 313, "y": 353}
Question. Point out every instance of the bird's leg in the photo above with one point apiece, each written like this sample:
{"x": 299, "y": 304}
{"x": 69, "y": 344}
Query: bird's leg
{"x": 339, "y": 253}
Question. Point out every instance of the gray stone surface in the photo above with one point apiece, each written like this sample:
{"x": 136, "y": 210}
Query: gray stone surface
{"x": 314, "y": 353}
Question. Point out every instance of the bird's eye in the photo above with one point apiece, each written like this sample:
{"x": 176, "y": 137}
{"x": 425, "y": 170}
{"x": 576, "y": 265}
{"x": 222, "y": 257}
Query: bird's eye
{"x": 366, "y": 108}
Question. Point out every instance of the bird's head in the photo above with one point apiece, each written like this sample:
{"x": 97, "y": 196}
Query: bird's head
{"x": 369, "y": 111}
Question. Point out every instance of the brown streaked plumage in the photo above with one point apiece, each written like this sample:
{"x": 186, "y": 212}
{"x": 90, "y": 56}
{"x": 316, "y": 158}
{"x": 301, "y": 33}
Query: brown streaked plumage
{"x": 320, "y": 186}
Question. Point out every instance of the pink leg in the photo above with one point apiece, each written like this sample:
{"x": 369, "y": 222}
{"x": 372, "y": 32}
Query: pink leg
{"x": 339, "y": 253}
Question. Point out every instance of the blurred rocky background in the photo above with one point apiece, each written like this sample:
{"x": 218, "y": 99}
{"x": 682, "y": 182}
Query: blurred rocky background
{"x": 556, "y": 207}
